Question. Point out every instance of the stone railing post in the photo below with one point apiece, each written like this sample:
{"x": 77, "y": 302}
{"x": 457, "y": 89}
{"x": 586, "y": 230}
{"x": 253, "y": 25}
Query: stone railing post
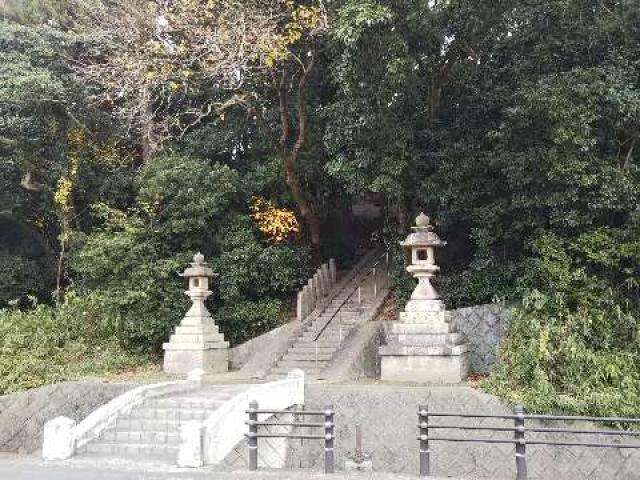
{"x": 59, "y": 442}
{"x": 317, "y": 288}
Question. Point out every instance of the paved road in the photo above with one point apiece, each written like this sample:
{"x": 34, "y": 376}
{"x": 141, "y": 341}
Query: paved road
{"x": 22, "y": 467}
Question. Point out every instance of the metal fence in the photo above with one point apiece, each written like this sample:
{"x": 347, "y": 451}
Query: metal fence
{"x": 327, "y": 427}
{"x": 519, "y": 429}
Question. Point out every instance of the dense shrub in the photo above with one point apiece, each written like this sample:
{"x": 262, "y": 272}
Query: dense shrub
{"x": 575, "y": 344}
{"x": 245, "y": 319}
{"x": 48, "y": 344}
{"x": 20, "y": 277}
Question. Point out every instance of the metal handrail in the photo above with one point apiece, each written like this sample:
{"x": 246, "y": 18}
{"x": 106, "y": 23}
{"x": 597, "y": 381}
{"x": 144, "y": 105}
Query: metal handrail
{"x": 519, "y": 430}
{"x": 357, "y": 289}
{"x": 327, "y": 426}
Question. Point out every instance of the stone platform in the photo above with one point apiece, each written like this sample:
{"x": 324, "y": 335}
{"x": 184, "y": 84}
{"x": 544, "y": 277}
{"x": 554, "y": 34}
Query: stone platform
{"x": 423, "y": 347}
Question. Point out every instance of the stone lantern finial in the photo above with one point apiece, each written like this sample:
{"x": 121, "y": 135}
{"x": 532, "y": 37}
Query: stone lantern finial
{"x": 422, "y": 221}
{"x": 198, "y": 259}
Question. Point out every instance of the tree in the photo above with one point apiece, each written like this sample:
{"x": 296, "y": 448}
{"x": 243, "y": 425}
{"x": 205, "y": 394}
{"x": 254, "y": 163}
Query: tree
{"x": 166, "y": 68}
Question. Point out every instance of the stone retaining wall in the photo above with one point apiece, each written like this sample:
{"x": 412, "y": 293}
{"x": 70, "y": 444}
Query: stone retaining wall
{"x": 23, "y": 415}
{"x": 484, "y": 326}
{"x": 388, "y": 415}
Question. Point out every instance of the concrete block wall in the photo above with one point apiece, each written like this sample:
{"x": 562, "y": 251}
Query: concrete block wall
{"x": 483, "y": 326}
{"x": 23, "y": 415}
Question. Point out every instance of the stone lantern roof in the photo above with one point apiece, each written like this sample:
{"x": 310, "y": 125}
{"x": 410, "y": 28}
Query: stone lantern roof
{"x": 198, "y": 268}
{"x": 423, "y": 235}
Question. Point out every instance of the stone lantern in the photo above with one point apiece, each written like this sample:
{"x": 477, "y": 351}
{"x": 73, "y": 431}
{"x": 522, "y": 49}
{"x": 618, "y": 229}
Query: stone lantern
{"x": 197, "y": 342}
{"x": 423, "y": 346}
{"x": 421, "y": 245}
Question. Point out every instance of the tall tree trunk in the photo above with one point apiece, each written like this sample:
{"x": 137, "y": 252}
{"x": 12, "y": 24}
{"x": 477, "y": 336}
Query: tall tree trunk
{"x": 310, "y": 218}
{"x": 290, "y": 155}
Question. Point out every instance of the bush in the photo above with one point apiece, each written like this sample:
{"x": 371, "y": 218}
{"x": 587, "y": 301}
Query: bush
{"x": 48, "y": 345}
{"x": 19, "y": 277}
{"x": 575, "y": 346}
{"x": 243, "y": 320}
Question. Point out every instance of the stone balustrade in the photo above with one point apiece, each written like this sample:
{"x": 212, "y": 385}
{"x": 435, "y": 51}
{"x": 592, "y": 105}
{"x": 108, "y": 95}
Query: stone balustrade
{"x": 318, "y": 287}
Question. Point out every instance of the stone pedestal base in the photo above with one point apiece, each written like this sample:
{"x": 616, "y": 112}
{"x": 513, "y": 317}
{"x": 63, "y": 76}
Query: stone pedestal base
{"x": 423, "y": 346}
{"x": 181, "y": 362}
{"x": 425, "y": 368}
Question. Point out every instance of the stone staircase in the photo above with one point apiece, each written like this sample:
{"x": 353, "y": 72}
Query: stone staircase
{"x": 152, "y": 429}
{"x": 349, "y": 303}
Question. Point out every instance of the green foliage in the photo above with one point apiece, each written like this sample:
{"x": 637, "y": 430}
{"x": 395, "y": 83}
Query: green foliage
{"x": 256, "y": 276}
{"x": 243, "y": 320}
{"x": 48, "y": 345}
{"x": 19, "y": 277}
{"x": 184, "y": 198}
{"x": 575, "y": 345}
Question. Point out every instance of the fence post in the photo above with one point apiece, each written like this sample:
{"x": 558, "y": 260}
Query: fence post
{"x": 423, "y": 425}
{"x": 253, "y": 439}
{"x": 521, "y": 448}
{"x": 375, "y": 283}
{"x": 329, "y": 430}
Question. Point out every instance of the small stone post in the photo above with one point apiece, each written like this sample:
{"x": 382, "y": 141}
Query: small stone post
{"x": 190, "y": 449}
{"x": 332, "y": 270}
{"x": 58, "y": 442}
{"x": 300, "y": 306}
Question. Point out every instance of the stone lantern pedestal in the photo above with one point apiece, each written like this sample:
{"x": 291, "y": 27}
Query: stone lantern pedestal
{"x": 422, "y": 346}
{"x": 197, "y": 342}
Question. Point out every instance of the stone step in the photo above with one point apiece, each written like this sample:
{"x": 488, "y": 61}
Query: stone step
{"x": 284, "y": 371}
{"x": 321, "y": 344}
{"x": 187, "y": 402}
{"x": 132, "y": 450}
{"x": 170, "y": 413}
{"x": 307, "y": 356}
{"x": 127, "y": 424}
{"x": 310, "y": 365}
{"x": 307, "y": 347}
{"x": 330, "y": 330}
{"x": 144, "y": 437}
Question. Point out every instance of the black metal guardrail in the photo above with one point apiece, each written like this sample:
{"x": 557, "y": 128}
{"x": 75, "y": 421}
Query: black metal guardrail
{"x": 519, "y": 429}
{"x": 328, "y": 435}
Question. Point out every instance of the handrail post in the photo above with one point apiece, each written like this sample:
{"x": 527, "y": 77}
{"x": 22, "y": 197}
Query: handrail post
{"x": 521, "y": 447}
{"x": 329, "y": 431}
{"x": 375, "y": 283}
{"x": 252, "y": 437}
{"x": 423, "y": 425}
